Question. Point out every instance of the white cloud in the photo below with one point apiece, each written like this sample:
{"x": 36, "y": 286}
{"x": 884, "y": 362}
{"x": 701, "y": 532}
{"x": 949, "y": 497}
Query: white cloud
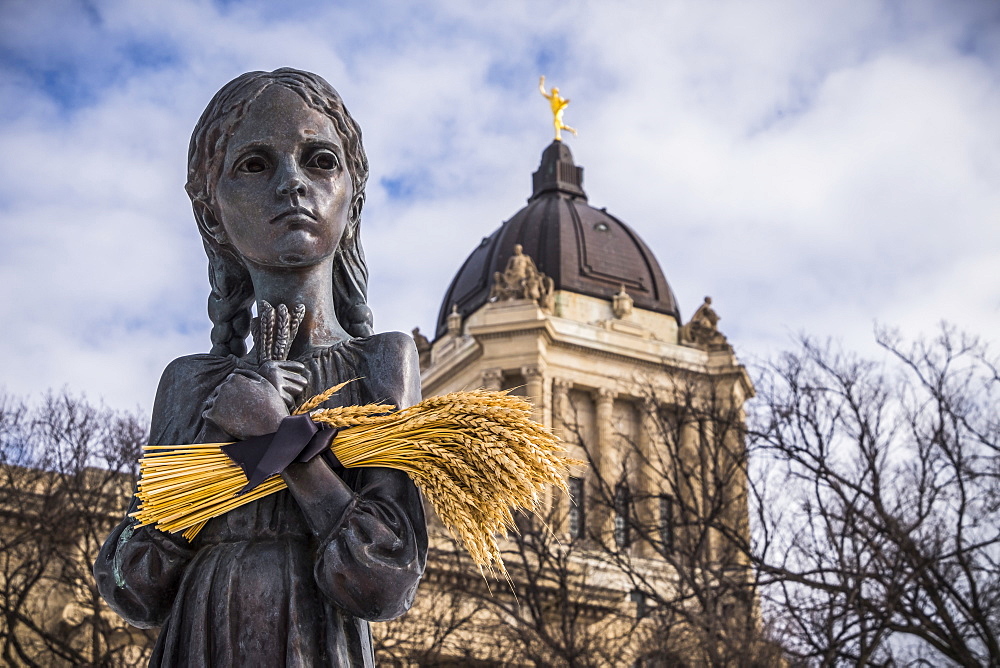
{"x": 814, "y": 167}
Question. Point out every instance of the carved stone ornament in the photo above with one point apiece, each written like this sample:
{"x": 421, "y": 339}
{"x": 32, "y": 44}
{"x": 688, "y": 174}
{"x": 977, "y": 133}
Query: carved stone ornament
{"x": 492, "y": 379}
{"x": 420, "y": 340}
{"x": 702, "y": 330}
{"x": 621, "y": 304}
{"x": 454, "y": 321}
{"x": 522, "y": 280}
{"x": 423, "y": 348}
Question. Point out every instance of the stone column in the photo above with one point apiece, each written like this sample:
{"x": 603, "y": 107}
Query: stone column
{"x": 688, "y": 483}
{"x": 605, "y": 461}
{"x": 648, "y": 470}
{"x": 604, "y": 400}
{"x": 560, "y": 416}
{"x": 492, "y": 379}
{"x": 709, "y": 459}
{"x": 534, "y": 387}
{"x": 561, "y": 407}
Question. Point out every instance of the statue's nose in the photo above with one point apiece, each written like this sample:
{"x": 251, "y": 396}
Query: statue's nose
{"x": 290, "y": 178}
{"x": 293, "y": 184}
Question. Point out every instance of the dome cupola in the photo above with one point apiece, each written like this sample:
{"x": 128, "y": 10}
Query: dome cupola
{"x": 584, "y": 250}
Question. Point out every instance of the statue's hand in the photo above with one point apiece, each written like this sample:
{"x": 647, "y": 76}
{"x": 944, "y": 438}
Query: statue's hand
{"x": 288, "y": 377}
{"x": 251, "y": 404}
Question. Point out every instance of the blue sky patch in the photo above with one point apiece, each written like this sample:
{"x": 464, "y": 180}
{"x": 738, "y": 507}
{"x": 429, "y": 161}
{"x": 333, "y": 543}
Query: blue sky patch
{"x": 399, "y": 187}
{"x": 149, "y": 55}
{"x": 551, "y": 58}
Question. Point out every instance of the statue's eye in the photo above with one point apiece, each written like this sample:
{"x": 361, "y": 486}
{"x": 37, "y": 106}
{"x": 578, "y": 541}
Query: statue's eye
{"x": 322, "y": 160}
{"x": 253, "y": 165}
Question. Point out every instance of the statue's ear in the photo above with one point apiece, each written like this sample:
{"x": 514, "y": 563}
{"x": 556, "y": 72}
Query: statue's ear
{"x": 354, "y": 216}
{"x": 209, "y": 223}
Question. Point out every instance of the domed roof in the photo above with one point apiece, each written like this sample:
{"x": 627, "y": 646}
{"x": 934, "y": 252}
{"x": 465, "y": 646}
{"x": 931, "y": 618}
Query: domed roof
{"x": 583, "y": 249}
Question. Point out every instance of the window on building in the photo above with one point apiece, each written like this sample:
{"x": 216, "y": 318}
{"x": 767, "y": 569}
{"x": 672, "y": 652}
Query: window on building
{"x": 514, "y": 384}
{"x": 523, "y": 523}
{"x": 639, "y": 598}
{"x": 577, "y": 516}
{"x": 660, "y": 660}
{"x": 667, "y": 522}
{"x": 623, "y": 535}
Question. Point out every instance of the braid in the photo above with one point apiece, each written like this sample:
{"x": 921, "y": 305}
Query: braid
{"x": 350, "y": 286}
{"x": 229, "y": 302}
{"x": 232, "y": 291}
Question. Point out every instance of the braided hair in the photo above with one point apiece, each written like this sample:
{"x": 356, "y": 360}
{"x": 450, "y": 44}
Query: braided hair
{"x": 232, "y": 290}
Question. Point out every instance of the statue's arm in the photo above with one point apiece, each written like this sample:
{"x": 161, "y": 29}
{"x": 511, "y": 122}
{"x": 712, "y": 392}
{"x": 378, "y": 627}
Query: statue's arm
{"x": 541, "y": 87}
{"x": 138, "y": 570}
{"x": 372, "y": 535}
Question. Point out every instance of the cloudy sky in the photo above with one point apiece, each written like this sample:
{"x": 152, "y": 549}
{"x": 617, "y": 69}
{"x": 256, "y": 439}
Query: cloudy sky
{"x": 815, "y": 167}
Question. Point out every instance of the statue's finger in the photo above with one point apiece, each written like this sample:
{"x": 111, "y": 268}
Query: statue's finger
{"x": 296, "y": 381}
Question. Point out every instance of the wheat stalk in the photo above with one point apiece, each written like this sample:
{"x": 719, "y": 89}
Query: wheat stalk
{"x": 297, "y": 316}
{"x": 281, "y": 330}
{"x": 315, "y": 401}
{"x": 476, "y": 456}
{"x": 266, "y": 329}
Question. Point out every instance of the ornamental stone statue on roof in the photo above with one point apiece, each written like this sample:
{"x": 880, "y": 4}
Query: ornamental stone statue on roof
{"x": 558, "y": 104}
{"x": 703, "y": 329}
{"x": 522, "y": 280}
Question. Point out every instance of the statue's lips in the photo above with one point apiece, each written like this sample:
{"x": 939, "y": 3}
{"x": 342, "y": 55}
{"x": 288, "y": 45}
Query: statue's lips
{"x": 295, "y": 215}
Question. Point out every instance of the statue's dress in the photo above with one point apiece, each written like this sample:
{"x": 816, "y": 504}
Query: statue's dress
{"x": 261, "y": 586}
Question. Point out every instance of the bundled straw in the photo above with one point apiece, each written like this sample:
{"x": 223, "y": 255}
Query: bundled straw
{"x": 477, "y": 456}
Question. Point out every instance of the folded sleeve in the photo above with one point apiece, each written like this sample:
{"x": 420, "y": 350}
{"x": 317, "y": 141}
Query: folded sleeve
{"x": 139, "y": 569}
{"x": 371, "y": 561}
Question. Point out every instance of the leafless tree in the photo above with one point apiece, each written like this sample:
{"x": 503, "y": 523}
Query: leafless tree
{"x": 873, "y": 488}
{"x": 647, "y": 565}
{"x": 564, "y": 605}
{"x": 435, "y": 632}
{"x": 558, "y": 609}
{"x": 876, "y": 490}
{"x": 66, "y": 471}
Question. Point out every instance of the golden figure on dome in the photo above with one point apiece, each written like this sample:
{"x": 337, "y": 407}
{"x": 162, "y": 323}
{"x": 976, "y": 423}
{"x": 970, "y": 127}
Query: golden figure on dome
{"x": 558, "y": 104}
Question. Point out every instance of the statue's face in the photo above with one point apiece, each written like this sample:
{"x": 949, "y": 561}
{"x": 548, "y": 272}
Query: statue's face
{"x": 284, "y": 194}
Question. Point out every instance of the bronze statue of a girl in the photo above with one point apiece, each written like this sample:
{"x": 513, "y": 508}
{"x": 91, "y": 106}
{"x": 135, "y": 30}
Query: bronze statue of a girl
{"x": 276, "y": 176}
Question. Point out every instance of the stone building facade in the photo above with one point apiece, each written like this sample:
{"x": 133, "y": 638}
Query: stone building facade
{"x": 566, "y": 305}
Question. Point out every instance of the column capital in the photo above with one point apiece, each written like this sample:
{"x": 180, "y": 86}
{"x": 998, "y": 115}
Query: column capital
{"x": 604, "y": 395}
{"x": 562, "y": 385}
{"x": 531, "y": 371}
{"x": 492, "y": 378}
